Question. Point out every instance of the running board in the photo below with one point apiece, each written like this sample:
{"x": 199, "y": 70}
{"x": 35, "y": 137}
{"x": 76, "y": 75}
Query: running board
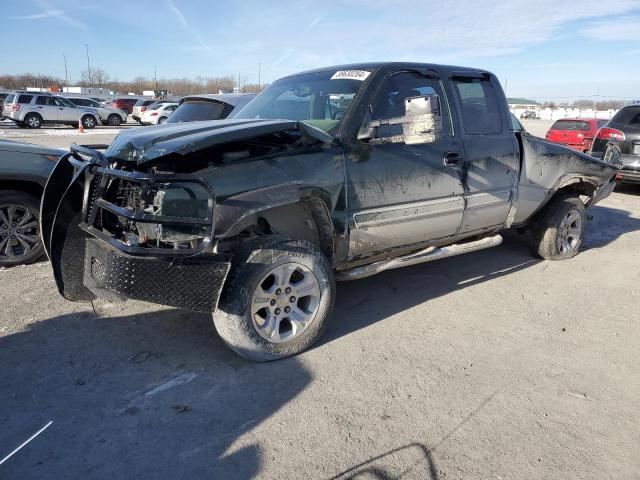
{"x": 426, "y": 255}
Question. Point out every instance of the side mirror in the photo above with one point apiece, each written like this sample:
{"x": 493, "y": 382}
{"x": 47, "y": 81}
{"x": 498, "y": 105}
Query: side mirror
{"x": 421, "y": 123}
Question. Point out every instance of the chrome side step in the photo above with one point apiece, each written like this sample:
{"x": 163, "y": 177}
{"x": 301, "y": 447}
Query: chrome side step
{"x": 426, "y": 255}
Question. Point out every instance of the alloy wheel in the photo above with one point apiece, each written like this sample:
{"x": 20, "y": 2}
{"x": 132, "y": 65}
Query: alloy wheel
{"x": 285, "y": 302}
{"x": 569, "y": 232}
{"x": 19, "y": 231}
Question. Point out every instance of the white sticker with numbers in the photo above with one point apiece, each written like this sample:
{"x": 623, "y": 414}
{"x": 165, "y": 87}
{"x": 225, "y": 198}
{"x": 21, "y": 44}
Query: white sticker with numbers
{"x": 350, "y": 75}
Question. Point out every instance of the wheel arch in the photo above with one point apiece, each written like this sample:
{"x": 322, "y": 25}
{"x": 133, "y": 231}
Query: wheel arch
{"x": 27, "y": 186}
{"x": 304, "y": 214}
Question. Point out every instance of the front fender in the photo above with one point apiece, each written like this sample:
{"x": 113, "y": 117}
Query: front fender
{"x": 60, "y": 216}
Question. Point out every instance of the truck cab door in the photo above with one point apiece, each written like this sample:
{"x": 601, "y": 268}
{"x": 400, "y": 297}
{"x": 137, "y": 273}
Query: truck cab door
{"x": 492, "y": 155}
{"x": 403, "y": 194}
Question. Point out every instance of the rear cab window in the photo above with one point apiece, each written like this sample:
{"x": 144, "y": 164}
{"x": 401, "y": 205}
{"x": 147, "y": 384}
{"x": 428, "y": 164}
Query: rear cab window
{"x": 479, "y": 105}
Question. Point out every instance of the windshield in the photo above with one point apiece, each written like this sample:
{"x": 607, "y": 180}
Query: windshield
{"x": 317, "y": 99}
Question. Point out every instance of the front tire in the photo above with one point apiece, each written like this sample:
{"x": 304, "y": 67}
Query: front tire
{"x": 88, "y": 122}
{"x": 20, "y": 241}
{"x": 558, "y": 230}
{"x": 277, "y": 300}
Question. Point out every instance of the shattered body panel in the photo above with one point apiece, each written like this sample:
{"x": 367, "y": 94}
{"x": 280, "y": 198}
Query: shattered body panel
{"x": 160, "y": 214}
{"x": 548, "y": 166}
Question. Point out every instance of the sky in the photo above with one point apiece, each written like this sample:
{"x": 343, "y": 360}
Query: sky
{"x": 542, "y": 49}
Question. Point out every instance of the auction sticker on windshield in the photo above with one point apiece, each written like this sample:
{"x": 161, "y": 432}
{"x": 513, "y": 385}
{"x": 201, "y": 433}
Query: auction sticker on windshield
{"x": 350, "y": 75}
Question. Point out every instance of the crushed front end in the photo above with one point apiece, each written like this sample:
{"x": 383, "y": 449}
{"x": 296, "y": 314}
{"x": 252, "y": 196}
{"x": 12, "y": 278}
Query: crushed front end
{"x": 114, "y": 232}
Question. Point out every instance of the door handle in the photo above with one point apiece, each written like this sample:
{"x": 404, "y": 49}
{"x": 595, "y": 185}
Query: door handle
{"x": 452, "y": 159}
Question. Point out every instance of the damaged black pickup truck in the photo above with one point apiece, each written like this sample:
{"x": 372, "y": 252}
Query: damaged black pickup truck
{"x": 333, "y": 174}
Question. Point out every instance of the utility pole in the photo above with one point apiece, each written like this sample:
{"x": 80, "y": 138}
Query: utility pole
{"x": 155, "y": 75}
{"x": 238, "y": 82}
{"x": 66, "y": 73}
{"x": 88, "y": 65}
{"x": 259, "y": 82}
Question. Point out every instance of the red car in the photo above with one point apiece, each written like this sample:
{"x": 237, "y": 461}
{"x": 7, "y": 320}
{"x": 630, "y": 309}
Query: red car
{"x": 125, "y": 104}
{"x": 576, "y": 133}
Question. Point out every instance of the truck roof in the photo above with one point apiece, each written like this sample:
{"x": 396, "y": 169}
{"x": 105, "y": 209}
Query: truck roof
{"x": 393, "y": 65}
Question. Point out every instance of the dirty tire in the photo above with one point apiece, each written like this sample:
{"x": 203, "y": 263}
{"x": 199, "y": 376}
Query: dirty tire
{"x": 88, "y": 122}
{"x": 114, "y": 120}
{"x": 33, "y": 120}
{"x": 234, "y": 320}
{"x": 24, "y": 203}
{"x": 547, "y": 228}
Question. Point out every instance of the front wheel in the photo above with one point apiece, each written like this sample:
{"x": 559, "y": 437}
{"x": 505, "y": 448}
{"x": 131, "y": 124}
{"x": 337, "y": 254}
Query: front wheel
{"x": 278, "y": 299}
{"x": 88, "y": 122}
{"x": 20, "y": 241}
{"x": 558, "y": 230}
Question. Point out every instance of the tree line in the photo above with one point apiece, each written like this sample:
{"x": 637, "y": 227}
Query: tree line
{"x": 98, "y": 78}
{"x": 587, "y": 104}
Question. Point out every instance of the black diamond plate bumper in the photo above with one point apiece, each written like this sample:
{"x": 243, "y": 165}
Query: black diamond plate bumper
{"x": 191, "y": 283}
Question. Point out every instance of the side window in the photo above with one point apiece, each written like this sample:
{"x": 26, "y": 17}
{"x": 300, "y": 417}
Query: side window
{"x": 479, "y": 105}
{"x": 390, "y": 99}
{"x": 42, "y": 101}
{"x": 25, "y": 98}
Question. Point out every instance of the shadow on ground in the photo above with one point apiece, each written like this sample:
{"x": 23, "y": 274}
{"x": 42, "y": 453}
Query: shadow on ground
{"x": 157, "y": 395}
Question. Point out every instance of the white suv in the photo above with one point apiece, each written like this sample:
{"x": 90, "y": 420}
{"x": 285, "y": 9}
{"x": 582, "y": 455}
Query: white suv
{"x": 33, "y": 109}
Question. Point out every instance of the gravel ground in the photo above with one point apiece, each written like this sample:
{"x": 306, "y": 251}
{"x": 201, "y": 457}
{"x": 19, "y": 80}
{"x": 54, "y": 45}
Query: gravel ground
{"x": 489, "y": 365}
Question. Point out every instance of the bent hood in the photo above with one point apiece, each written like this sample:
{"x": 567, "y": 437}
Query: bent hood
{"x": 144, "y": 144}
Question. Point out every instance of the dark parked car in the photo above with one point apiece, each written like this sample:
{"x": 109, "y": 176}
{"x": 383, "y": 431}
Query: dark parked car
{"x": 576, "y": 133}
{"x": 24, "y": 169}
{"x": 528, "y": 115}
{"x": 209, "y": 107}
{"x": 337, "y": 173}
{"x": 624, "y": 128}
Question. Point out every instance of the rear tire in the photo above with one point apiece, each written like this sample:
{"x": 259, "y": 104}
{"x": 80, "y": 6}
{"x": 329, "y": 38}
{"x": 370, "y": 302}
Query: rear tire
{"x": 162, "y": 120}
{"x": 33, "y": 120}
{"x": 277, "y": 300}
{"x": 114, "y": 120}
{"x": 20, "y": 241}
{"x": 558, "y": 230}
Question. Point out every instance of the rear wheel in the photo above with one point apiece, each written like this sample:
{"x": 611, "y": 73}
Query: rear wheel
{"x": 33, "y": 120}
{"x": 277, "y": 300}
{"x": 558, "y": 230}
{"x": 19, "y": 228}
{"x": 162, "y": 119}
{"x": 114, "y": 120}
{"x": 88, "y": 122}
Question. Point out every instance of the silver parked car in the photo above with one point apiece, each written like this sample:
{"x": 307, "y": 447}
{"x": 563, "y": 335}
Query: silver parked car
{"x": 34, "y": 109}
{"x": 108, "y": 115}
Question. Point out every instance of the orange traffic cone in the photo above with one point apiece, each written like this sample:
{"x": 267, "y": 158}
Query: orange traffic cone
{"x": 80, "y": 127}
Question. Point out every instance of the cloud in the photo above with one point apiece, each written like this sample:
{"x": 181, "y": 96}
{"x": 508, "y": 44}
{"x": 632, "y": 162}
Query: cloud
{"x": 49, "y": 12}
{"x": 620, "y": 30}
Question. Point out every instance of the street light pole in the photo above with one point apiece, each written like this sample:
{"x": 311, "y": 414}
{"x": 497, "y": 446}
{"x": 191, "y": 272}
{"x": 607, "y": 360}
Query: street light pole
{"x": 88, "y": 66}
